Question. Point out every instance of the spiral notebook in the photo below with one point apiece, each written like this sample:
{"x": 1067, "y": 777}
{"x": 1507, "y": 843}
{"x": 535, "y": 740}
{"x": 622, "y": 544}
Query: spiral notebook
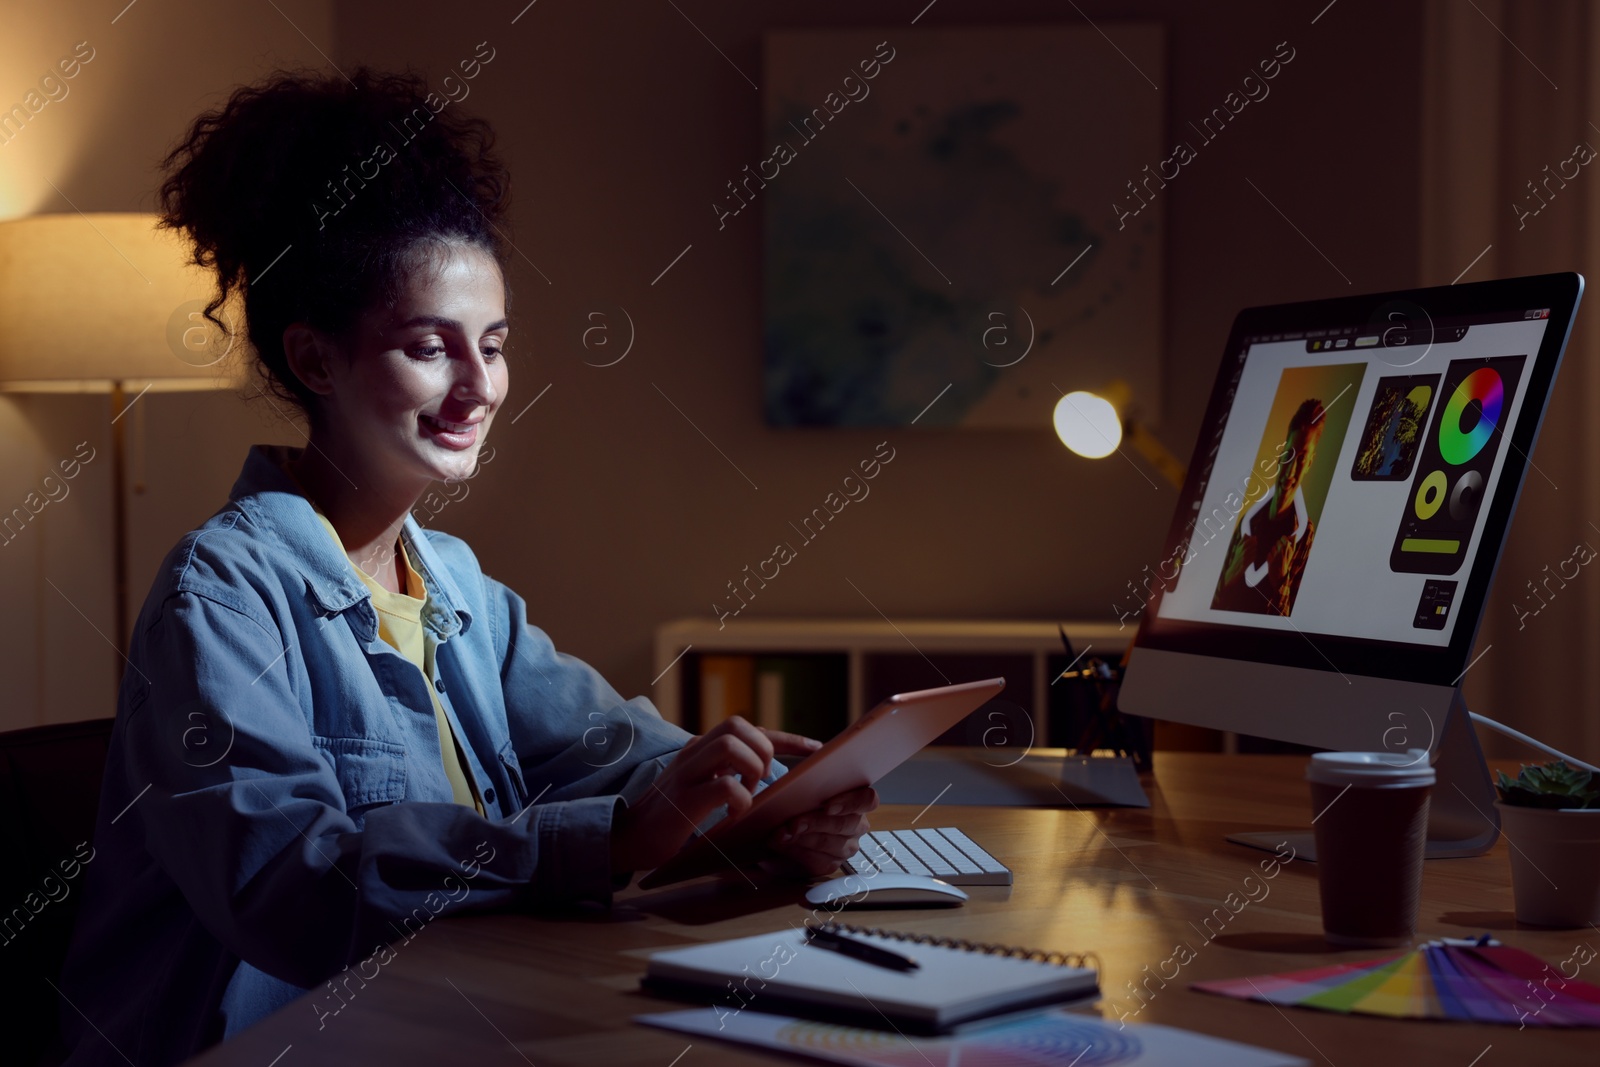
{"x": 955, "y": 980}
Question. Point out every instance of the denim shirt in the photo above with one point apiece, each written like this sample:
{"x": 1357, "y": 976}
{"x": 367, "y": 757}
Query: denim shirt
{"x": 275, "y": 808}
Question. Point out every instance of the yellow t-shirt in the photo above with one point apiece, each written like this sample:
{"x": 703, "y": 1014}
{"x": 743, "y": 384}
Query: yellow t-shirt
{"x": 400, "y": 624}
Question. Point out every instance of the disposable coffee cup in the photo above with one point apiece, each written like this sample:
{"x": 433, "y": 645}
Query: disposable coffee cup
{"x": 1370, "y": 812}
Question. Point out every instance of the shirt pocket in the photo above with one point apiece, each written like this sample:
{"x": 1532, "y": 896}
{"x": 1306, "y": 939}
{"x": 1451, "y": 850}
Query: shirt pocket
{"x": 369, "y": 772}
{"x": 513, "y": 767}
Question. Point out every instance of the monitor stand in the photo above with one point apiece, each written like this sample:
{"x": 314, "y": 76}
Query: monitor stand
{"x": 1462, "y": 818}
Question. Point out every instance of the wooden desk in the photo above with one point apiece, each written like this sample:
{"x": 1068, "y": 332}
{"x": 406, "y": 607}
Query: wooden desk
{"x": 1128, "y": 884}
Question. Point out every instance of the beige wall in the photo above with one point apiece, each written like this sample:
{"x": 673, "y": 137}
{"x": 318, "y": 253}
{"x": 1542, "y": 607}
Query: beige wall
{"x": 610, "y": 512}
{"x": 604, "y": 506}
{"x": 1499, "y": 119}
{"x": 152, "y": 71}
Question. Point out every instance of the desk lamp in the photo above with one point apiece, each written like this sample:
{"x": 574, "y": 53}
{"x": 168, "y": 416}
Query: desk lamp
{"x": 106, "y": 303}
{"x": 1094, "y": 424}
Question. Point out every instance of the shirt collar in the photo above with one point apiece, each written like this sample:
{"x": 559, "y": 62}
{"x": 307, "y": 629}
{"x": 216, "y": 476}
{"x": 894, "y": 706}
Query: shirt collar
{"x": 269, "y": 495}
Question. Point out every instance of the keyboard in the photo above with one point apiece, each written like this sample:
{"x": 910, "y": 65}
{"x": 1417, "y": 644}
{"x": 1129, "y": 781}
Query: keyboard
{"x": 945, "y": 853}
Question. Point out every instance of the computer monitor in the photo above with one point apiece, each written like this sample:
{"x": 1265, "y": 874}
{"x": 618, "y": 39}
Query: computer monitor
{"x": 1325, "y": 573}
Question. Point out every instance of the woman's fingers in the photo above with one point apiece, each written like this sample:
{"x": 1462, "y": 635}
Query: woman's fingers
{"x": 819, "y": 850}
{"x": 703, "y": 799}
{"x": 718, "y": 754}
{"x": 787, "y": 744}
{"x": 752, "y": 735}
{"x": 834, "y": 845}
{"x": 813, "y": 827}
{"x": 818, "y": 861}
{"x": 815, "y": 864}
{"x": 738, "y": 731}
{"x": 863, "y": 800}
{"x": 764, "y": 743}
{"x": 720, "y": 768}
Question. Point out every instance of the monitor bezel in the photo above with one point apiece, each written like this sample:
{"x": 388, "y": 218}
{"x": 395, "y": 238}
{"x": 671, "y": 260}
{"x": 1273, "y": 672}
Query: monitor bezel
{"x": 1433, "y": 665}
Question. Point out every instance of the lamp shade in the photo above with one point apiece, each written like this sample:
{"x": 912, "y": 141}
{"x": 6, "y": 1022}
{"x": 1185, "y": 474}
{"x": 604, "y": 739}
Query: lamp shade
{"x": 91, "y": 299}
{"x": 1088, "y": 424}
{"x": 1094, "y": 425}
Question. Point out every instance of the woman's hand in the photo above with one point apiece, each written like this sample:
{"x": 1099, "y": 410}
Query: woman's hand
{"x": 722, "y": 766}
{"x": 820, "y": 840}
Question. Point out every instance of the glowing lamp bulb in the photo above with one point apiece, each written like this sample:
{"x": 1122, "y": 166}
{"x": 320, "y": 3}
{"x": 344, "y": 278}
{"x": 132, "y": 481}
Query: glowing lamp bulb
{"x": 1088, "y": 424}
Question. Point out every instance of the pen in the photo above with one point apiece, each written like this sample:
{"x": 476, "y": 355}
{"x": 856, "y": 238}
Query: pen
{"x": 822, "y": 937}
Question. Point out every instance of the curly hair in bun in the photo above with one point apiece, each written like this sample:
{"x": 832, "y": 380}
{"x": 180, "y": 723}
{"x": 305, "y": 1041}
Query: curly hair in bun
{"x": 313, "y": 196}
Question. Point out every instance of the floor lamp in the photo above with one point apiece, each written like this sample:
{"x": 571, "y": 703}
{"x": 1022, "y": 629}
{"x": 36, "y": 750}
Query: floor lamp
{"x": 106, "y": 303}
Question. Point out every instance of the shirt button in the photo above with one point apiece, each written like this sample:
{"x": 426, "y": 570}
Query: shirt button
{"x": 488, "y": 795}
{"x": 438, "y": 683}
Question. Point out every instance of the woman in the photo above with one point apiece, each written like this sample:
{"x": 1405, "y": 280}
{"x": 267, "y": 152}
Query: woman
{"x": 333, "y": 727}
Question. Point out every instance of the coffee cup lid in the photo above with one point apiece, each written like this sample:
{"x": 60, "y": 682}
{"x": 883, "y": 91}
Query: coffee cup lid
{"x": 1389, "y": 769}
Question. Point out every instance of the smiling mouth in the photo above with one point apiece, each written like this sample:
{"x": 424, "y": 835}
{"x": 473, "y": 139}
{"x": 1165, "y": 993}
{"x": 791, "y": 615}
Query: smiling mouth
{"x": 434, "y": 422}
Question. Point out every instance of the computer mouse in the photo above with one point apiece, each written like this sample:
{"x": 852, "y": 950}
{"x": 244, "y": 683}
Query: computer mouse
{"x": 885, "y": 890}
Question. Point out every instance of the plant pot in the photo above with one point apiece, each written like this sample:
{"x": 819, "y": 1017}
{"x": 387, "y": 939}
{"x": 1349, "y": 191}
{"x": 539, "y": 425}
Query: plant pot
{"x": 1555, "y": 864}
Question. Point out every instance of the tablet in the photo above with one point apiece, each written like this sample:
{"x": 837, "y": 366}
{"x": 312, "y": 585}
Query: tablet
{"x": 863, "y": 752}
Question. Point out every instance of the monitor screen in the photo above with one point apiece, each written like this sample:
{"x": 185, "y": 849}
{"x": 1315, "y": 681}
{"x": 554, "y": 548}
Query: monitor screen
{"x": 1354, "y": 477}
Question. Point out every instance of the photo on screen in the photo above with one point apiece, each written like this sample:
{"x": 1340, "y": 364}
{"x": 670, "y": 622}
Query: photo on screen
{"x": 1394, "y": 429}
{"x": 1300, "y": 444}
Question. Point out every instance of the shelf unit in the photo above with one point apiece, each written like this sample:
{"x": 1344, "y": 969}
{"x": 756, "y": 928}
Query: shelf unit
{"x": 859, "y": 640}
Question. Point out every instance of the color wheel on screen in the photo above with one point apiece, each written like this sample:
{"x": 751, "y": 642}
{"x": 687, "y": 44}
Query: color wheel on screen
{"x": 1483, "y": 386}
{"x": 1448, "y": 489}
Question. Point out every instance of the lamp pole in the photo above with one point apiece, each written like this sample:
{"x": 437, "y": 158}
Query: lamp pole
{"x": 119, "y": 529}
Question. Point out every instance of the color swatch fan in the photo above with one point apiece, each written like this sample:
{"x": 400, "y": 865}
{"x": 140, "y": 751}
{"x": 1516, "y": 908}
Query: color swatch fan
{"x": 1474, "y": 981}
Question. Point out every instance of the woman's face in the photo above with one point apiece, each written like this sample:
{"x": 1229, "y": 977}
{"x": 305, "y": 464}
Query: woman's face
{"x": 416, "y": 396}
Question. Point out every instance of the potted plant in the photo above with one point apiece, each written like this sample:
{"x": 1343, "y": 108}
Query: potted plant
{"x": 1550, "y": 815}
